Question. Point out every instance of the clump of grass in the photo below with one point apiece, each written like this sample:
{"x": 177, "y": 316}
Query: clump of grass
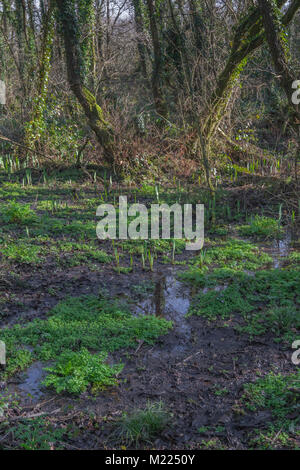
{"x": 160, "y": 246}
{"x": 220, "y": 305}
{"x": 122, "y": 269}
{"x": 143, "y": 425}
{"x": 281, "y": 321}
{"x": 75, "y": 371}
{"x": 262, "y": 227}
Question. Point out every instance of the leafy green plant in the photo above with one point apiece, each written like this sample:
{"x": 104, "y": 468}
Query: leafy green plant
{"x": 235, "y": 254}
{"x": 267, "y": 301}
{"x": 275, "y": 392}
{"x": 18, "y": 213}
{"x": 279, "y": 394}
{"x": 294, "y": 257}
{"x": 75, "y": 371}
{"x": 37, "y": 434}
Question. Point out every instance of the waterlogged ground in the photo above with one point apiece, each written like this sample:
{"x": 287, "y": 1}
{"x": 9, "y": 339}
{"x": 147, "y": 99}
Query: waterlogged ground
{"x": 144, "y": 345}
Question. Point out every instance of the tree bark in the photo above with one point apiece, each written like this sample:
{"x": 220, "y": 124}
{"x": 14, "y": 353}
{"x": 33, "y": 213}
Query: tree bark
{"x": 139, "y": 27}
{"x": 159, "y": 101}
{"x": 92, "y": 110}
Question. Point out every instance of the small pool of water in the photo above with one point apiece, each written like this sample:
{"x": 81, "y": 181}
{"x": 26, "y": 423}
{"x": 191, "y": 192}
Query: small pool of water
{"x": 171, "y": 299}
{"x": 280, "y": 249}
{"x": 31, "y": 387}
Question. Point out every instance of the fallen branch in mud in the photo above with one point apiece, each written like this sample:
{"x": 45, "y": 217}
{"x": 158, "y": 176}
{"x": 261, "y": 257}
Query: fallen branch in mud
{"x": 34, "y": 415}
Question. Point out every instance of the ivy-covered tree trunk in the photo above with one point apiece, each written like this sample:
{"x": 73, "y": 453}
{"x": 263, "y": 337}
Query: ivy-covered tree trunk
{"x": 278, "y": 45}
{"x": 93, "y": 112}
{"x": 35, "y": 127}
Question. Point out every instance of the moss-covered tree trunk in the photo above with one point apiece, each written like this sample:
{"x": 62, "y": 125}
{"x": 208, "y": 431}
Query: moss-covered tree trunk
{"x": 93, "y": 112}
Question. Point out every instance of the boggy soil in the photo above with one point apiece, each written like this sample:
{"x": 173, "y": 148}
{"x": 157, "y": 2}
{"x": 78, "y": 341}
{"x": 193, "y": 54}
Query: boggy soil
{"x": 198, "y": 369}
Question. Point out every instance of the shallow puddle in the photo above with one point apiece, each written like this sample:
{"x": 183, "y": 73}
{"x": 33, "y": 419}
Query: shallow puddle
{"x": 171, "y": 299}
{"x": 280, "y": 249}
{"x": 31, "y": 385}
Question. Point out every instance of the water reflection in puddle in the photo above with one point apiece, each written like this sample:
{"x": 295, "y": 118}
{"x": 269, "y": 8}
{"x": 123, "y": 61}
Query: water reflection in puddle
{"x": 281, "y": 249}
{"x": 171, "y": 299}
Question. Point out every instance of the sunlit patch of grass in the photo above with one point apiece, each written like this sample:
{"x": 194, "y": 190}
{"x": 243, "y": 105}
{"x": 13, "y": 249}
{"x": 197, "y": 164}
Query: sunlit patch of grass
{"x": 232, "y": 254}
{"x": 144, "y": 424}
{"x": 23, "y": 253}
{"x": 262, "y": 227}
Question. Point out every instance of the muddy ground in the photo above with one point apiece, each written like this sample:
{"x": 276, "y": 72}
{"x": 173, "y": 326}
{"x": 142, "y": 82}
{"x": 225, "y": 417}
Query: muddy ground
{"x": 198, "y": 369}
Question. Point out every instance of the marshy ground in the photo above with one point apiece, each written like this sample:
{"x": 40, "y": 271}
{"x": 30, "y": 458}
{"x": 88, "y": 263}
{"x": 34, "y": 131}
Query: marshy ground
{"x": 133, "y": 344}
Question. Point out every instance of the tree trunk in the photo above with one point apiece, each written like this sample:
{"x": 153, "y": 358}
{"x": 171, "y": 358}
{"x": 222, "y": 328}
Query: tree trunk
{"x": 159, "y": 101}
{"x": 92, "y": 110}
{"x": 139, "y": 27}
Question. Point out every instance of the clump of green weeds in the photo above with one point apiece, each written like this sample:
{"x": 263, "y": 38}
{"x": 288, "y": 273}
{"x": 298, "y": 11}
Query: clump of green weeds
{"x": 37, "y": 434}
{"x": 278, "y": 394}
{"x": 22, "y": 253}
{"x": 75, "y": 371}
{"x": 267, "y": 301}
{"x": 294, "y": 258}
{"x": 80, "y": 253}
{"x": 17, "y": 213}
{"x": 233, "y": 254}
